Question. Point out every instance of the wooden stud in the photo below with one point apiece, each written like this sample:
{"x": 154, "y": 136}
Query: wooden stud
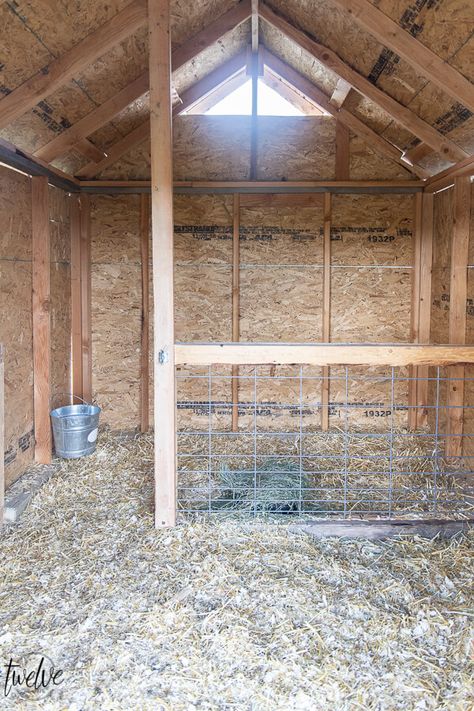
{"x": 420, "y": 57}
{"x": 424, "y": 318}
{"x": 342, "y": 151}
{"x": 73, "y": 62}
{"x": 403, "y": 115}
{"x": 76, "y": 298}
{"x": 415, "y": 310}
{"x": 145, "y": 320}
{"x": 326, "y": 320}
{"x": 457, "y": 312}
{"x": 235, "y": 307}
{"x": 41, "y": 318}
{"x": 163, "y": 260}
{"x": 86, "y": 299}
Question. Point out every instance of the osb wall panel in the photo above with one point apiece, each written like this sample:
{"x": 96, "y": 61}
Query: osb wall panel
{"x": 371, "y": 243}
{"x": 296, "y": 148}
{"x": 60, "y": 296}
{"x": 116, "y": 307}
{"x": 288, "y": 148}
{"x": 281, "y": 298}
{"x": 15, "y": 320}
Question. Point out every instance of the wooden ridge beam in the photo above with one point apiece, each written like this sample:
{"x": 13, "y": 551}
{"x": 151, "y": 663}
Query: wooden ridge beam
{"x": 424, "y": 60}
{"x": 317, "y": 354}
{"x": 403, "y": 115}
{"x": 104, "y": 113}
{"x": 376, "y": 142}
{"x": 73, "y": 62}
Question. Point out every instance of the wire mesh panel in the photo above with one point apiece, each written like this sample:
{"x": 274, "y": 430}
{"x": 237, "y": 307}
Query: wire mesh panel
{"x": 279, "y": 461}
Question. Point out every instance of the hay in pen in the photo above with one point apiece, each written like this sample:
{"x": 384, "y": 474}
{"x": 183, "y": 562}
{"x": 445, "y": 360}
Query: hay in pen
{"x": 225, "y": 614}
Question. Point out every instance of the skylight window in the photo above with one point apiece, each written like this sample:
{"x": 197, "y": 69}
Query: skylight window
{"x": 239, "y": 103}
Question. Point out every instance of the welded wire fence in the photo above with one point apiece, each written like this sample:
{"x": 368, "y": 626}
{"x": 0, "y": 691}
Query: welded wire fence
{"x": 278, "y": 459}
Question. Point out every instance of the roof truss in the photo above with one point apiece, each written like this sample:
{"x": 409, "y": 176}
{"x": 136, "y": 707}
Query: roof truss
{"x": 280, "y": 76}
{"x": 397, "y": 111}
{"x": 426, "y": 62}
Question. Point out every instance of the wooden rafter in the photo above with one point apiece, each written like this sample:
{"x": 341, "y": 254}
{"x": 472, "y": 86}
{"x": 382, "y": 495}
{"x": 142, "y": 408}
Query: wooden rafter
{"x": 403, "y": 115}
{"x": 214, "y": 86}
{"x": 426, "y": 62}
{"x": 376, "y": 142}
{"x": 104, "y": 113}
{"x": 73, "y": 62}
{"x": 200, "y": 89}
{"x": 291, "y": 94}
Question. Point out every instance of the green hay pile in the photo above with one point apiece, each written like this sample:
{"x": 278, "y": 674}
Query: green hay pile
{"x": 277, "y": 486}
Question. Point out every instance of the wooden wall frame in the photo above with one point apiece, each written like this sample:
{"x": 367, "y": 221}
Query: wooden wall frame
{"x": 41, "y": 301}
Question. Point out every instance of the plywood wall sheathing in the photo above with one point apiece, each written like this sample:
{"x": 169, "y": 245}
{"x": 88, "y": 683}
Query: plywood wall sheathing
{"x": 218, "y": 148}
{"x": 16, "y": 321}
{"x": 281, "y": 277}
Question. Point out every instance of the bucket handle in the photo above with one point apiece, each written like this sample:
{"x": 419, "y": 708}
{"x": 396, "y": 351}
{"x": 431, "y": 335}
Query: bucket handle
{"x": 77, "y": 397}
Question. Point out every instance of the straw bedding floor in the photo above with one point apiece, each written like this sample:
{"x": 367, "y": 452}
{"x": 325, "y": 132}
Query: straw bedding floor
{"x": 228, "y": 615}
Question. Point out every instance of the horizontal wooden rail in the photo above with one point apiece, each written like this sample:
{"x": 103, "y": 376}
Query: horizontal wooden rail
{"x": 321, "y": 354}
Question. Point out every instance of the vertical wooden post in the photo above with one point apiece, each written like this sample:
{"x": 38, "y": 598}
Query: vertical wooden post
{"x": 86, "y": 335}
{"x": 255, "y": 70}
{"x": 76, "y": 306}
{"x": 162, "y": 236}
{"x": 145, "y": 333}
{"x": 415, "y": 310}
{"x": 41, "y": 317}
{"x": 235, "y": 307}
{"x": 457, "y": 312}
{"x": 424, "y": 316}
{"x": 342, "y": 151}
{"x": 326, "y": 318}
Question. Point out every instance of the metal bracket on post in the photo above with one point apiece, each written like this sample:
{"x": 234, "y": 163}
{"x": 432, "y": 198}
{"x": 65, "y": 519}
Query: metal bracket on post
{"x": 163, "y": 357}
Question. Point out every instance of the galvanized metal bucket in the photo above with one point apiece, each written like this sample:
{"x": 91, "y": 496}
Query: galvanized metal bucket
{"x": 75, "y": 430}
